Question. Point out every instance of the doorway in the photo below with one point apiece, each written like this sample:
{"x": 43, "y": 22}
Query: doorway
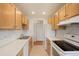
{"x": 39, "y": 32}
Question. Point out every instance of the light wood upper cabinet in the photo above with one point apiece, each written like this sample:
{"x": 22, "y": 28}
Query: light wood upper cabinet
{"x": 62, "y": 14}
{"x": 18, "y": 19}
{"x": 7, "y": 16}
{"x": 53, "y": 22}
{"x": 10, "y": 17}
{"x": 56, "y": 21}
{"x": 23, "y": 19}
{"x": 50, "y": 21}
{"x": 25, "y": 22}
{"x": 67, "y": 11}
{"x": 72, "y": 9}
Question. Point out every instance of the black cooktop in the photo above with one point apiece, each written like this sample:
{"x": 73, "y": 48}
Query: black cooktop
{"x": 65, "y": 46}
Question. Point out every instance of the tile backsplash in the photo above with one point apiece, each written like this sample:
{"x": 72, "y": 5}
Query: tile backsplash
{"x": 73, "y": 29}
{"x": 7, "y": 36}
{"x": 70, "y": 29}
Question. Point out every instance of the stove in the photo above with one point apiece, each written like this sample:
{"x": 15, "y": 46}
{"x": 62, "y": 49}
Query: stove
{"x": 63, "y": 48}
{"x": 69, "y": 46}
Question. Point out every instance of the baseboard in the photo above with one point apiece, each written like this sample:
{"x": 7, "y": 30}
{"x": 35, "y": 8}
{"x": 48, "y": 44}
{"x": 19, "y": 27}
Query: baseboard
{"x": 38, "y": 42}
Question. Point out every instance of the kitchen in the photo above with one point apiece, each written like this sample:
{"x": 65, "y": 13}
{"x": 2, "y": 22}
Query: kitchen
{"x": 39, "y": 29}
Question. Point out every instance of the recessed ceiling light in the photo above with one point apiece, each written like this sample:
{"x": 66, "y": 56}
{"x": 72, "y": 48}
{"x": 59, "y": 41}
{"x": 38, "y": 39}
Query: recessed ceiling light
{"x": 44, "y": 12}
{"x": 33, "y": 12}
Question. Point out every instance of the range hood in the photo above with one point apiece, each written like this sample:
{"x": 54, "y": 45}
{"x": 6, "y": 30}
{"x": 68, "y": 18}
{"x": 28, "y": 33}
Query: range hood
{"x": 73, "y": 20}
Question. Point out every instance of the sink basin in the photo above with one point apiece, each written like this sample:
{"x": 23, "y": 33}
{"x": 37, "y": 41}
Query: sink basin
{"x": 24, "y": 37}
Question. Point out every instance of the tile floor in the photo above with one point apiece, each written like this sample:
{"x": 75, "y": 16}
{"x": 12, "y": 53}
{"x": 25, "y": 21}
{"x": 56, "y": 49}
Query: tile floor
{"x": 38, "y": 50}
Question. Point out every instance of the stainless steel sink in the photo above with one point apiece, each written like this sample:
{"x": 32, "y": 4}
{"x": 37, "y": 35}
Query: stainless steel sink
{"x": 24, "y": 37}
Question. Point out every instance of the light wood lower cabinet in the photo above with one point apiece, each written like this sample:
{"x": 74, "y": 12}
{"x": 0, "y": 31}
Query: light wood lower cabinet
{"x": 25, "y": 51}
{"x": 49, "y": 50}
{"x": 54, "y": 52}
{"x": 30, "y": 45}
{"x": 20, "y": 52}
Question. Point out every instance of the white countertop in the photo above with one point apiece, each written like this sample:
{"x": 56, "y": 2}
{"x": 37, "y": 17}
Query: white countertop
{"x": 12, "y": 48}
{"x": 53, "y": 38}
{"x": 7, "y": 36}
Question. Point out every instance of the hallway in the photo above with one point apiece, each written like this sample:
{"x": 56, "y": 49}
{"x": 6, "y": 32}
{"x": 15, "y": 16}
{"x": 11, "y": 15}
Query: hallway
{"x": 38, "y": 50}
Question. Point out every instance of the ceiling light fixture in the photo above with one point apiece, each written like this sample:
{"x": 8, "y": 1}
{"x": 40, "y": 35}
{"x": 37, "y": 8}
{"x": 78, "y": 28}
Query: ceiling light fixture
{"x": 44, "y": 13}
{"x": 33, "y": 12}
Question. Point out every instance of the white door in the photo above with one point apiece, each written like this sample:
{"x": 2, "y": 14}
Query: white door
{"x": 39, "y": 31}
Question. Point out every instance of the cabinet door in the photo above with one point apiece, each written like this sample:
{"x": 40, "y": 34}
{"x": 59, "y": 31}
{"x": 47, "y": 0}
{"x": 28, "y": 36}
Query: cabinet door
{"x": 30, "y": 45}
{"x": 53, "y": 23}
{"x": 20, "y": 53}
{"x": 7, "y": 20}
{"x": 25, "y": 22}
{"x": 1, "y": 23}
{"x": 54, "y": 52}
{"x": 56, "y": 21}
{"x": 72, "y": 10}
{"x": 56, "y": 27}
{"x": 50, "y": 21}
{"x": 18, "y": 19}
{"x": 24, "y": 19}
{"x": 62, "y": 14}
{"x": 48, "y": 47}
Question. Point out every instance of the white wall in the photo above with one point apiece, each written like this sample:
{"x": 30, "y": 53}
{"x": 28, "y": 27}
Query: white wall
{"x": 32, "y": 21}
{"x": 30, "y": 31}
{"x": 31, "y": 26}
{"x": 50, "y": 32}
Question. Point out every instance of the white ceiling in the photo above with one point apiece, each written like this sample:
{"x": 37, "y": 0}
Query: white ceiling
{"x": 38, "y": 9}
